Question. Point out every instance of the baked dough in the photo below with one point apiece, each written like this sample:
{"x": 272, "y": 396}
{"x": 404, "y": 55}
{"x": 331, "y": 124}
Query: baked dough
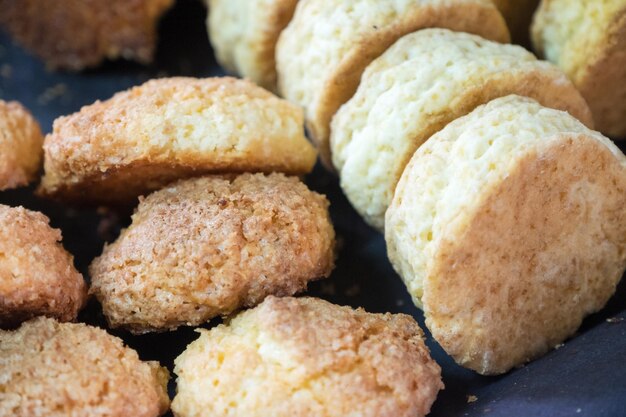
{"x": 208, "y": 246}
{"x": 306, "y": 357}
{"x": 20, "y": 146}
{"x": 587, "y": 39}
{"x": 423, "y": 82}
{"x": 37, "y": 276}
{"x": 325, "y": 48}
{"x": 113, "y": 151}
{"x": 509, "y": 227}
{"x": 52, "y": 369}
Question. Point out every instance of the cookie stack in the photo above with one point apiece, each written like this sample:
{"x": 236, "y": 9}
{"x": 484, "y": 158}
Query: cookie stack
{"x": 502, "y": 210}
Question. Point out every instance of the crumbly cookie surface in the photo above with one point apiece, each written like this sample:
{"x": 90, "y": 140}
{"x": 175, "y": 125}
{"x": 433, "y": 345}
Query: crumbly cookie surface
{"x": 328, "y": 44}
{"x": 52, "y": 369}
{"x": 508, "y": 225}
{"x": 37, "y": 275}
{"x": 21, "y": 143}
{"x": 206, "y": 247}
{"x": 307, "y": 357}
{"x": 424, "y": 81}
{"x": 244, "y": 34}
{"x": 166, "y": 129}
{"x": 77, "y": 34}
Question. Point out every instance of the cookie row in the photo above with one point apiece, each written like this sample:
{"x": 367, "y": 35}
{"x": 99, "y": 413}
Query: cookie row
{"x": 491, "y": 226}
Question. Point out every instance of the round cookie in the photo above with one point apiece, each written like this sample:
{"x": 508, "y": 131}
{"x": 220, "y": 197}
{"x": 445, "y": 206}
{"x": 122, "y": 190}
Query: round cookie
{"x": 509, "y": 227}
{"x": 518, "y": 15}
{"x": 141, "y": 139}
{"x": 328, "y": 44}
{"x": 52, "y": 369}
{"x": 20, "y": 144}
{"x": 424, "y": 81}
{"x": 37, "y": 276}
{"x": 208, "y": 246}
{"x": 76, "y": 34}
{"x": 587, "y": 39}
{"x": 244, "y": 34}
{"x": 307, "y": 357}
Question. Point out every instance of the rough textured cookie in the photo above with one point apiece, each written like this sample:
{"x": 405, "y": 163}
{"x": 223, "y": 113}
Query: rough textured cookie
{"x": 518, "y": 15}
{"x": 307, "y": 357}
{"x": 244, "y": 34}
{"x": 509, "y": 227}
{"x": 75, "y": 34}
{"x": 20, "y": 146}
{"x": 208, "y": 246}
{"x": 424, "y": 81}
{"x": 141, "y": 139}
{"x": 323, "y": 51}
{"x": 587, "y": 39}
{"x": 51, "y": 369}
{"x": 37, "y": 276}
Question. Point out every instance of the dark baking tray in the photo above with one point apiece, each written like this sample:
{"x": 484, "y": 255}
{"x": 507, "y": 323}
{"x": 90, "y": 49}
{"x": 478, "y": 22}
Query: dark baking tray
{"x": 585, "y": 377}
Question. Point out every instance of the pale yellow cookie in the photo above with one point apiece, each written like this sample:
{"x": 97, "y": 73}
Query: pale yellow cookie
{"x": 325, "y": 48}
{"x": 208, "y": 246}
{"x": 37, "y": 276}
{"x": 509, "y": 227}
{"x": 113, "y": 151}
{"x": 424, "y": 81}
{"x": 305, "y": 357}
{"x": 52, "y": 369}
{"x": 244, "y": 33}
{"x": 76, "y": 34}
{"x": 587, "y": 39}
{"x": 20, "y": 146}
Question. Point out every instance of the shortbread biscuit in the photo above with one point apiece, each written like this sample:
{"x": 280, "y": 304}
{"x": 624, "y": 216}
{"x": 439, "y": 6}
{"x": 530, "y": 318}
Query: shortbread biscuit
{"x": 587, "y": 39}
{"x": 20, "y": 146}
{"x": 37, "y": 276}
{"x": 323, "y": 51}
{"x": 76, "y": 34}
{"x": 509, "y": 227}
{"x": 307, "y": 357}
{"x": 424, "y": 81}
{"x": 244, "y": 35}
{"x": 518, "y": 15}
{"x": 141, "y": 139}
{"x": 52, "y": 369}
{"x": 205, "y": 247}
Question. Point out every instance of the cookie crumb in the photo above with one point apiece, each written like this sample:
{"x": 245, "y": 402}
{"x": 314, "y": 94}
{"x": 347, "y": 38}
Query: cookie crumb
{"x": 471, "y": 399}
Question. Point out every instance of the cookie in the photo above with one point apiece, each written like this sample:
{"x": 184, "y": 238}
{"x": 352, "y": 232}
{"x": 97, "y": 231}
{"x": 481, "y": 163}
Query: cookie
{"x": 206, "y": 247}
{"x": 244, "y": 33}
{"x": 52, "y": 369}
{"x": 587, "y": 39}
{"x": 138, "y": 141}
{"x": 77, "y": 34}
{"x": 508, "y": 227}
{"x": 37, "y": 276}
{"x": 20, "y": 143}
{"x": 424, "y": 81}
{"x": 323, "y": 51}
{"x": 307, "y": 357}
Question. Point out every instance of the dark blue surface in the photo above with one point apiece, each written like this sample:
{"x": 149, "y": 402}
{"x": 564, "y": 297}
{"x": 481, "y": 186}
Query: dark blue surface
{"x": 585, "y": 377}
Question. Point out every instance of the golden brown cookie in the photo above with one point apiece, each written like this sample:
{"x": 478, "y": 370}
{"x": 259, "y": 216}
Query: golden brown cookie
{"x": 208, "y": 246}
{"x": 322, "y": 53}
{"x": 113, "y": 151}
{"x": 424, "y": 81}
{"x": 76, "y": 34}
{"x": 52, "y": 369}
{"x": 37, "y": 276}
{"x": 244, "y": 33}
{"x": 307, "y": 357}
{"x": 509, "y": 227}
{"x": 587, "y": 39}
{"x": 20, "y": 145}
